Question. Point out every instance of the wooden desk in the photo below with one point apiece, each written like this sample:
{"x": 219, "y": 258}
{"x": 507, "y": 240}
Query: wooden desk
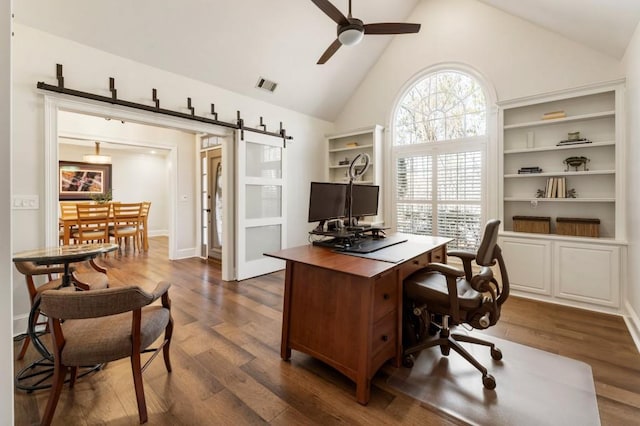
{"x": 347, "y": 311}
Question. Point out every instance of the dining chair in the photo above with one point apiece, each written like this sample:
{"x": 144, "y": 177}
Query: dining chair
{"x": 96, "y": 327}
{"x": 144, "y": 219}
{"x": 92, "y": 280}
{"x": 126, "y": 223}
{"x": 93, "y": 223}
{"x": 67, "y": 211}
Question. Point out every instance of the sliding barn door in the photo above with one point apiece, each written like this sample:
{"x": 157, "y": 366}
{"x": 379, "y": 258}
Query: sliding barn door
{"x": 261, "y": 202}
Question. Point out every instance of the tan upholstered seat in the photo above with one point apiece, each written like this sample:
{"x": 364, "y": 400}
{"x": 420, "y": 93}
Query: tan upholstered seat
{"x": 94, "y": 327}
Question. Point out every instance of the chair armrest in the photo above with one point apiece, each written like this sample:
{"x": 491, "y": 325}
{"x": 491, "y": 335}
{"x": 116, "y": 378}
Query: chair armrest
{"x": 464, "y": 255}
{"x": 97, "y": 267}
{"x": 161, "y": 288}
{"x": 467, "y": 257}
{"x": 445, "y": 269}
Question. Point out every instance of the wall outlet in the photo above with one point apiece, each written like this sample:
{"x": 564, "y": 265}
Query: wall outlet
{"x": 26, "y": 202}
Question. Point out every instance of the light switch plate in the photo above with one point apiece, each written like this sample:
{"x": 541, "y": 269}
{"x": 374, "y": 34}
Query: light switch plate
{"x": 26, "y": 202}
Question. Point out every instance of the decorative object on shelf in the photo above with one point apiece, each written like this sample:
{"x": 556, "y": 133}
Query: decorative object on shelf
{"x": 533, "y": 224}
{"x": 576, "y": 162}
{"x": 571, "y": 193}
{"x": 579, "y": 227}
{"x": 553, "y": 115}
{"x": 540, "y": 193}
{"x": 344, "y": 162}
{"x": 573, "y": 138}
{"x": 528, "y": 170}
{"x": 351, "y": 144}
{"x": 530, "y": 139}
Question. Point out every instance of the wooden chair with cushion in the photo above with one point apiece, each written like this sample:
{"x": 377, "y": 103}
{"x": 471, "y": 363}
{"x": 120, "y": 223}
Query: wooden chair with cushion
{"x": 126, "y": 223}
{"x": 95, "y": 327}
{"x": 84, "y": 280}
{"x": 440, "y": 296}
{"x": 93, "y": 223}
{"x": 144, "y": 222}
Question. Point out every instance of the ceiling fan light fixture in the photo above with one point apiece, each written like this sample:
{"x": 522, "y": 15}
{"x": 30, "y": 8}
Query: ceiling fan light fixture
{"x": 351, "y": 35}
{"x": 96, "y": 158}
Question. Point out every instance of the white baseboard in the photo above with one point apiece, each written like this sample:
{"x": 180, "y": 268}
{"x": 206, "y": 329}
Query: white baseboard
{"x": 633, "y": 324}
{"x": 158, "y": 232}
{"x": 20, "y": 324}
{"x": 187, "y": 253}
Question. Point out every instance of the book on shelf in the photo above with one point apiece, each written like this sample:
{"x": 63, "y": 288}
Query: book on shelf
{"x": 553, "y": 114}
{"x": 526, "y": 170}
{"x": 556, "y": 187}
{"x": 351, "y": 144}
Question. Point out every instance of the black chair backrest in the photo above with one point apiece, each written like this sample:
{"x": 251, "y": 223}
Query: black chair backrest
{"x": 485, "y": 254}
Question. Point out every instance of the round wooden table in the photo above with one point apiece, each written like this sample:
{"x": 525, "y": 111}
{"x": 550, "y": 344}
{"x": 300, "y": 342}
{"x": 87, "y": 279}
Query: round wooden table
{"x": 35, "y": 375}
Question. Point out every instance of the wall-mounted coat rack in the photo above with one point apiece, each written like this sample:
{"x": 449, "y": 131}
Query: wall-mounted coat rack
{"x": 238, "y": 125}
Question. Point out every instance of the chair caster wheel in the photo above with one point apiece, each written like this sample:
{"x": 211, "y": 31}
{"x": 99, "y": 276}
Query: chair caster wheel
{"x": 445, "y": 350}
{"x": 496, "y": 354}
{"x": 407, "y": 361}
{"x": 489, "y": 382}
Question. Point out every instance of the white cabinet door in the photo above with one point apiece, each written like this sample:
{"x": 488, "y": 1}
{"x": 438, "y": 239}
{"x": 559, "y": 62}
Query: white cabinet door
{"x": 587, "y": 273}
{"x": 528, "y": 262}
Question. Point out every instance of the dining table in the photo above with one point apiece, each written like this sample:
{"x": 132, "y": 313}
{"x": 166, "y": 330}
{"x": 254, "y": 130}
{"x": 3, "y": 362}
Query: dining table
{"x": 35, "y": 375}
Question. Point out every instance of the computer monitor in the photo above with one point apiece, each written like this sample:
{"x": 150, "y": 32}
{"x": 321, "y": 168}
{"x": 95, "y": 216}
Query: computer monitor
{"x": 327, "y": 201}
{"x": 365, "y": 200}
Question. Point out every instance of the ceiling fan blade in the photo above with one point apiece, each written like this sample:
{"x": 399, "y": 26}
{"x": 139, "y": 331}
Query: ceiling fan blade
{"x": 331, "y": 11}
{"x": 391, "y": 28}
{"x": 329, "y": 52}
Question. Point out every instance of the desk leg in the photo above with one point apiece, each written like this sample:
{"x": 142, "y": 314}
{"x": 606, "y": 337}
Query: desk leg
{"x": 285, "y": 350}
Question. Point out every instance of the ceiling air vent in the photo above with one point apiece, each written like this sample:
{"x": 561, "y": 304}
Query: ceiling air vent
{"x": 267, "y": 85}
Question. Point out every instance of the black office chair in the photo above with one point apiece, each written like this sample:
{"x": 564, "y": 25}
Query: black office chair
{"x": 439, "y": 296}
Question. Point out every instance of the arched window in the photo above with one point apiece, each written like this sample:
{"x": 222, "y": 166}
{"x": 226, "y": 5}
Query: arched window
{"x": 439, "y": 150}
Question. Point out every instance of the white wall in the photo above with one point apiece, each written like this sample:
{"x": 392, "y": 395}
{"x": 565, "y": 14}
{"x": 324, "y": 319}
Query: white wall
{"x": 632, "y": 62}
{"x": 6, "y": 310}
{"x": 515, "y": 56}
{"x": 86, "y": 69}
{"x": 135, "y": 177}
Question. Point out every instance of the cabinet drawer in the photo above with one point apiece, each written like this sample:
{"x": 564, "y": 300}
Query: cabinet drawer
{"x": 385, "y": 298}
{"x": 384, "y": 333}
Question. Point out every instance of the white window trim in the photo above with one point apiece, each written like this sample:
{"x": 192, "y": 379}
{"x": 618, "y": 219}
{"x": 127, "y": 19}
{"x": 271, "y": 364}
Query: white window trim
{"x": 488, "y": 143}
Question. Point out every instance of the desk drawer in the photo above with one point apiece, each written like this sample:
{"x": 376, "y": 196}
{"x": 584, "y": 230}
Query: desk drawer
{"x": 384, "y": 345}
{"x": 414, "y": 264}
{"x": 439, "y": 255}
{"x": 385, "y": 298}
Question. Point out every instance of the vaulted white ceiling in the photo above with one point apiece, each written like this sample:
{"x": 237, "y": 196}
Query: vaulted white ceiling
{"x": 231, "y": 43}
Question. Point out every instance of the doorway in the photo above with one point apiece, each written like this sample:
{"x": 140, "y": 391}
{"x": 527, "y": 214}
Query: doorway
{"x": 212, "y": 203}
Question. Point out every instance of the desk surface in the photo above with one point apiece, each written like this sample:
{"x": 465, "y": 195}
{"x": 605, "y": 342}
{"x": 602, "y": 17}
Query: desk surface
{"x": 63, "y": 254}
{"x": 361, "y": 266}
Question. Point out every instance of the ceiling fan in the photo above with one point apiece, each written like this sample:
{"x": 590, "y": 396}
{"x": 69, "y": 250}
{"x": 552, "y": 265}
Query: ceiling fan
{"x": 351, "y": 30}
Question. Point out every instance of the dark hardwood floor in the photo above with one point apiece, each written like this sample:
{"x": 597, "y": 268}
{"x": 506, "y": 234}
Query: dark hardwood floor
{"x": 227, "y": 367}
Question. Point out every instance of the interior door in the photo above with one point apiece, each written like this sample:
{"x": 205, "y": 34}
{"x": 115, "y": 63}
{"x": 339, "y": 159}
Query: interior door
{"x": 261, "y": 200}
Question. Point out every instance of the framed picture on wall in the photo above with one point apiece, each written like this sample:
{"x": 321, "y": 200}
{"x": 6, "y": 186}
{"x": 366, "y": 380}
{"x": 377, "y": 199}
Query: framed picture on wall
{"x": 83, "y": 181}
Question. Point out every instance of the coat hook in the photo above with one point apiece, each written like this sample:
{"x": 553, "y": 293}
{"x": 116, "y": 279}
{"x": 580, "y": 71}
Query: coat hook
{"x": 264, "y": 126}
{"x": 59, "y": 76}
{"x": 192, "y": 109}
{"x": 112, "y": 88}
{"x": 213, "y": 112}
{"x": 155, "y": 98}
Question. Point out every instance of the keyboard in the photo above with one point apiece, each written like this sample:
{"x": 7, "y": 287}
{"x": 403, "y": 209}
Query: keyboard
{"x": 368, "y": 245}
